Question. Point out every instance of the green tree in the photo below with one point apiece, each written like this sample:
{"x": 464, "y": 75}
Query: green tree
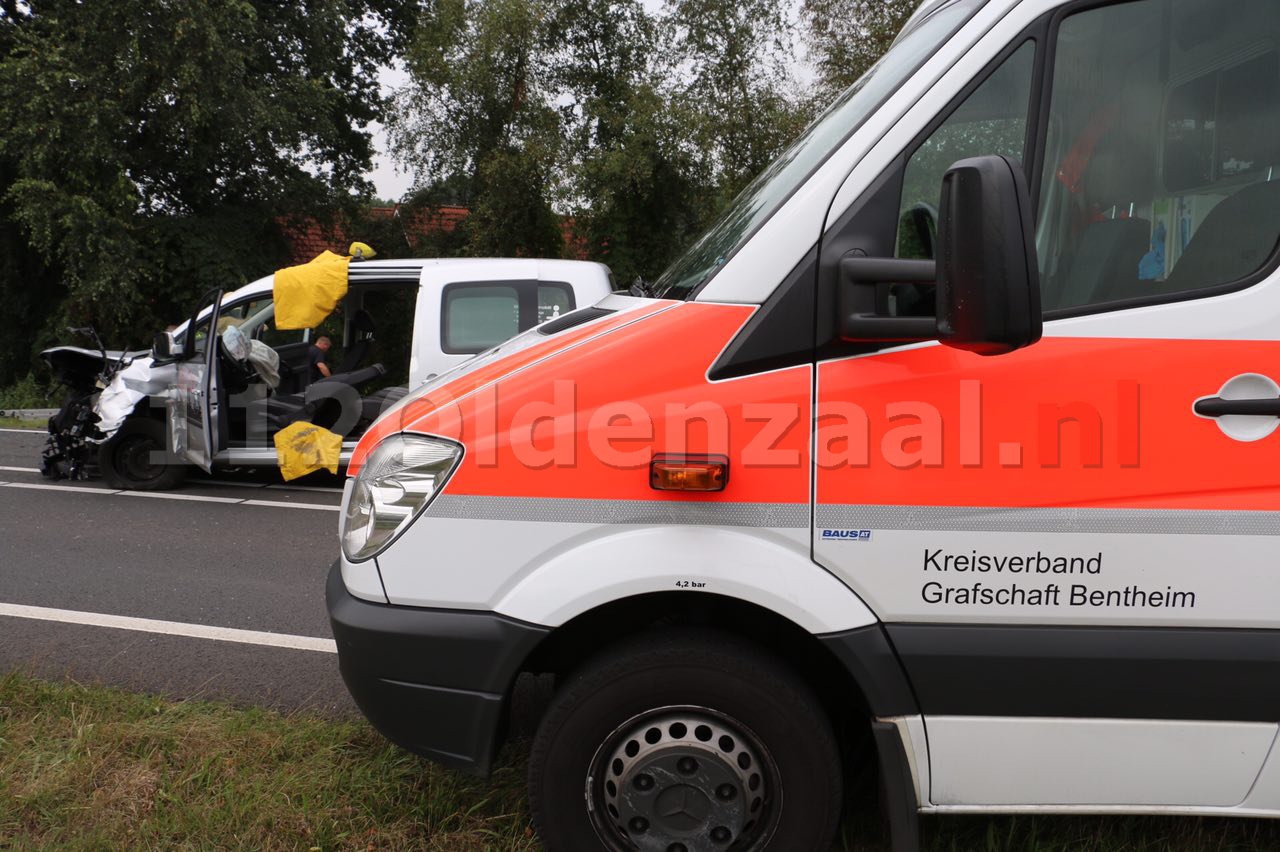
{"x": 633, "y": 198}
{"x": 636, "y": 125}
{"x": 847, "y": 37}
{"x": 733, "y": 87}
{"x": 479, "y": 118}
{"x": 151, "y": 148}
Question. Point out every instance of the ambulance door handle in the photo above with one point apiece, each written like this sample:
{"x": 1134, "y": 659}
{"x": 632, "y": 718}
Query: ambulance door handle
{"x": 1216, "y": 406}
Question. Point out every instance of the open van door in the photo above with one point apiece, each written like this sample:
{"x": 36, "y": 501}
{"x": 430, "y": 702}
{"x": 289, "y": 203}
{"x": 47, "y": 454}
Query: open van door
{"x": 193, "y": 406}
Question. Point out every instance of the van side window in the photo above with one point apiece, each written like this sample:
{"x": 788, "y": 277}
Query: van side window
{"x": 256, "y": 317}
{"x": 991, "y": 120}
{"x": 479, "y": 316}
{"x": 200, "y": 339}
{"x": 1163, "y": 140}
{"x": 554, "y": 298}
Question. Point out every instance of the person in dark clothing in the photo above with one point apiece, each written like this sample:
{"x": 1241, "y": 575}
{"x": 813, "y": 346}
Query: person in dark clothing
{"x": 317, "y": 369}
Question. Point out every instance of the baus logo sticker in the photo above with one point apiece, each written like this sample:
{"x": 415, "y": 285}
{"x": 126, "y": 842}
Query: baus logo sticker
{"x": 846, "y": 535}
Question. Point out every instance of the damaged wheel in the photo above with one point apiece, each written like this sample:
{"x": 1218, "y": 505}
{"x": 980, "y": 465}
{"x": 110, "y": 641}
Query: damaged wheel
{"x": 137, "y": 458}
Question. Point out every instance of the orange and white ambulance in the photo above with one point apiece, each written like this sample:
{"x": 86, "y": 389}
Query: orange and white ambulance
{"x": 954, "y": 435}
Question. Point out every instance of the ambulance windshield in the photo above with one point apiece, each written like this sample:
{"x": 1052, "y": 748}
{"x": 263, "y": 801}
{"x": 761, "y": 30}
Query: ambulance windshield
{"x": 926, "y": 31}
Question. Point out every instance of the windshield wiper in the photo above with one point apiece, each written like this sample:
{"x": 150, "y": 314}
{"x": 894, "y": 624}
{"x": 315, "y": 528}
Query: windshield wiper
{"x": 641, "y": 288}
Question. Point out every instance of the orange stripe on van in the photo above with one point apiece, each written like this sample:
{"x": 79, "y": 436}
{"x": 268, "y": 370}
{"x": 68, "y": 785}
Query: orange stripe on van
{"x": 586, "y": 423}
{"x": 1067, "y": 422}
{"x": 468, "y": 381}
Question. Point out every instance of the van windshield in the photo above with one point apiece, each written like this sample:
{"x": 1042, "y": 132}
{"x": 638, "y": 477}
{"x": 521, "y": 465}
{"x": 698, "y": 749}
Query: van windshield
{"x": 926, "y": 31}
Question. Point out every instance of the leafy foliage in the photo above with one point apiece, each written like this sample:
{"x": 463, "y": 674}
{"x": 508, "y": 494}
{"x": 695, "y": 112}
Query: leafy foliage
{"x": 29, "y": 393}
{"x": 847, "y": 37}
{"x": 479, "y": 114}
{"x": 638, "y": 126}
{"x": 633, "y": 189}
{"x": 150, "y": 148}
{"x": 735, "y": 87}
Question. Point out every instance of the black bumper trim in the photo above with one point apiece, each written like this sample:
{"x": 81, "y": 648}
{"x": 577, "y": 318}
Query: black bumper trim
{"x": 870, "y": 660}
{"x": 433, "y": 681}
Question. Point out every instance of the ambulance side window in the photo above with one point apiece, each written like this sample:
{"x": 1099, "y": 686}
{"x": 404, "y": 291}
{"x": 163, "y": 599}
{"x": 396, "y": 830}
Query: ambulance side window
{"x": 991, "y": 120}
{"x": 1163, "y": 142}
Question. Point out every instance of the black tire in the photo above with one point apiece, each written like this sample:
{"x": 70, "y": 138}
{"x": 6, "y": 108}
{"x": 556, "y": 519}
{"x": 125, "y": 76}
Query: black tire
{"x": 639, "y": 712}
{"x": 131, "y": 459}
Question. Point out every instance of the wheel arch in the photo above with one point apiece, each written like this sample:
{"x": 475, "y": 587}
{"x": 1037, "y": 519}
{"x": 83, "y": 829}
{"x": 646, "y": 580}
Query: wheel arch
{"x": 146, "y": 418}
{"x": 145, "y": 408}
{"x": 849, "y": 686}
{"x": 765, "y": 566}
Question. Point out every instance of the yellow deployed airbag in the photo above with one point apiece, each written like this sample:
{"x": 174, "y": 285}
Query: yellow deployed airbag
{"x": 306, "y": 294}
{"x": 303, "y": 448}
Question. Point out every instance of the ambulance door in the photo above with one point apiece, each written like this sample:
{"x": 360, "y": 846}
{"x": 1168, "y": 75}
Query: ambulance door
{"x": 193, "y": 405}
{"x": 1073, "y": 545}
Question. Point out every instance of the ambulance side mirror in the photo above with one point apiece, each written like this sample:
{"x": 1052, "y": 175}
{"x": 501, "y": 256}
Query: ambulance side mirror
{"x": 986, "y": 279}
{"x": 988, "y": 287}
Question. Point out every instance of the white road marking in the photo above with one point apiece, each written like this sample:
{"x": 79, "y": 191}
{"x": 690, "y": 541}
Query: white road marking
{"x": 197, "y": 498}
{"x": 42, "y": 487}
{"x": 157, "y": 495}
{"x": 287, "y": 505}
{"x": 314, "y": 488}
{"x": 39, "y": 433}
{"x": 21, "y": 469}
{"x": 171, "y": 628}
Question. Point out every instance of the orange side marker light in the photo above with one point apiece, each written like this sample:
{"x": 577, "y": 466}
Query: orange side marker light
{"x": 688, "y": 473}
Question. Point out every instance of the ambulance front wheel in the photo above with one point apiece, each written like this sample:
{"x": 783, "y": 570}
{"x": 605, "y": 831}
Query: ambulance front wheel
{"x": 685, "y": 741}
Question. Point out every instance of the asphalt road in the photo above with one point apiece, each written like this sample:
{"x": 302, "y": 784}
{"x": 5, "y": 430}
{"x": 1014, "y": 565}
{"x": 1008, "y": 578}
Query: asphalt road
{"x": 241, "y": 552}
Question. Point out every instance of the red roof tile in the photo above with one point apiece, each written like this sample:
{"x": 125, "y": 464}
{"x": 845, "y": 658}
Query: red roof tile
{"x": 308, "y": 237}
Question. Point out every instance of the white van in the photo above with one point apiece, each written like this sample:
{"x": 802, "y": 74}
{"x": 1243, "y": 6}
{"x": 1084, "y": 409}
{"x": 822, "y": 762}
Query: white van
{"x": 956, "y": 434}
{"x": 192, "y": 404}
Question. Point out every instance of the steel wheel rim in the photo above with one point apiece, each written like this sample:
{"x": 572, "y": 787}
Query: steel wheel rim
{"x": 683, "y": 779}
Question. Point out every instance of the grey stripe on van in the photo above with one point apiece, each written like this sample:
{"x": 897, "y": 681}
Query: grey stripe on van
{"x": 910, "y": 518}
{"x": 646, "y": 512}
{"x": 1049, "y": 520}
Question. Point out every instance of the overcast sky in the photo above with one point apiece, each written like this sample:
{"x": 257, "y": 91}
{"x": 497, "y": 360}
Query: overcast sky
{"x": 388, "y": 181}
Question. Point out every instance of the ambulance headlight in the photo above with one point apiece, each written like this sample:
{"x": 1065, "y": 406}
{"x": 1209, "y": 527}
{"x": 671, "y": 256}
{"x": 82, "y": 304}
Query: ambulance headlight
{"x": 398, "y": 479}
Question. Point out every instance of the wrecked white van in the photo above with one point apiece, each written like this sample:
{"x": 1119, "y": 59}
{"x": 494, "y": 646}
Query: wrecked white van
{"x": 142, "y": 419}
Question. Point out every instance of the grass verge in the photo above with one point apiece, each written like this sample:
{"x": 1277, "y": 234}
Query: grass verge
{"x": 100, "y": 768}
{"x": 21, "y": 423}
